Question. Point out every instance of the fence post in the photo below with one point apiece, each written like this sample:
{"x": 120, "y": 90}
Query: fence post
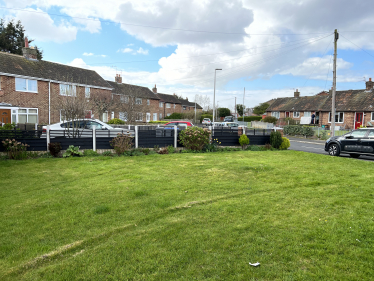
{"x": 36, "y": 126}
{"x": 129, "y": 127}
{"x": 136, "y": 136}
{"x": 94, "y": 138}
{"x": 243, "y": 130}
{"x": 48, "y": 138}
{"x": 175, "y": 136}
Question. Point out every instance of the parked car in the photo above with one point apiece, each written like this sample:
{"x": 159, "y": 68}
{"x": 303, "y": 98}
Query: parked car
{"x": 207, "y": 122}
{"x": 82, "y": 128}
{"x": 356, "y": 143}
{"x": 230, "y": 124}
{"x": 179, "y": 123}
{"x": 228, "y": 119}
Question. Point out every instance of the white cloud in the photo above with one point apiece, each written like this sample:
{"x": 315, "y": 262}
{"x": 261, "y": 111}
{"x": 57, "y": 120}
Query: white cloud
{"x": 142, "y": 51}
{"x": 125, "y": 50}
{"x": 88, "y": 54}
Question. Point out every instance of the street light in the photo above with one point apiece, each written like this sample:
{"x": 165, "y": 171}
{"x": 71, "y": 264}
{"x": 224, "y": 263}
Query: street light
{"x": 214, "y": 97}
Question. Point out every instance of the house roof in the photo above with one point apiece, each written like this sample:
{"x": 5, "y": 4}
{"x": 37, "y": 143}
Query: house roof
{"x": 17, "y": 65}
{"x": 168, "y": 98}
{"x": 350, "y": 100}
{"x": 132, "y": 90}
{"x": 190, "y": 104}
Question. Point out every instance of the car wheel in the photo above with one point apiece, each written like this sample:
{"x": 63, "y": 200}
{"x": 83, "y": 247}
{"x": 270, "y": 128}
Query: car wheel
{"x": 334, "y": 149}
{"x": 353, "y": 155}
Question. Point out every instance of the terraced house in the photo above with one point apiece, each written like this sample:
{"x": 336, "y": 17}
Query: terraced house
{"x": 31, "y": 90}
{"x": 353, "y": 107}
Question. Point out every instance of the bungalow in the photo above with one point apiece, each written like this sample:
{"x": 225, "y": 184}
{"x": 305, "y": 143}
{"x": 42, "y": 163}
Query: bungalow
{"x": 353, "y": 107}
{"x": 31, "y": 90}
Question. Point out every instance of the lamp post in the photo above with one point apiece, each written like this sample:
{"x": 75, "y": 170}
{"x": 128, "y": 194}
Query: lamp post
{"x": 214, "y": 96}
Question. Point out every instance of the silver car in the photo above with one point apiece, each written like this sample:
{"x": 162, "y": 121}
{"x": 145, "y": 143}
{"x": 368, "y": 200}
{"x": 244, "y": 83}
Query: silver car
{"x": 82, "y": 128}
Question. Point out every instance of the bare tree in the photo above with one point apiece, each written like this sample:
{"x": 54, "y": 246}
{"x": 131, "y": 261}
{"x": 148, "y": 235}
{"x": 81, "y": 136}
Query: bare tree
{"x": 203, "y": 101}
{"x": 101, "y": 103}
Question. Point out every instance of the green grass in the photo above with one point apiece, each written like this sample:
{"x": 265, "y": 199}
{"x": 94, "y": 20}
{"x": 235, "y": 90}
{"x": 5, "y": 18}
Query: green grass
{"x": 188, "y": 217}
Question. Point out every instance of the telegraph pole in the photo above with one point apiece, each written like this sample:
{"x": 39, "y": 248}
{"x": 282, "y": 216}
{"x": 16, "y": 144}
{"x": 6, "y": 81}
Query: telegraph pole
{"x": 235, "y": 107}
{"x": 243, "y": 103}
{"x": 336, "y": 37}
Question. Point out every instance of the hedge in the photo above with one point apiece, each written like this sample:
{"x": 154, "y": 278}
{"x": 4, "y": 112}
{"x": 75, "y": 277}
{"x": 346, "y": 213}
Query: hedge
{"x": 298, "y": 130}
{"x": 250, "y": 118}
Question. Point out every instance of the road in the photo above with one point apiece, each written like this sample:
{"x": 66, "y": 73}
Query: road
{"x": 316, "y": 146}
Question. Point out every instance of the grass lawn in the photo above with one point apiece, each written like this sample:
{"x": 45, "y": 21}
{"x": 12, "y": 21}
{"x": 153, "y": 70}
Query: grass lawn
{"x": 188, "y": 217}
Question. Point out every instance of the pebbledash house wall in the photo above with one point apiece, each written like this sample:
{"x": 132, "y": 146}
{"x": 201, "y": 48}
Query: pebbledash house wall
{"x": 40, "y": 100}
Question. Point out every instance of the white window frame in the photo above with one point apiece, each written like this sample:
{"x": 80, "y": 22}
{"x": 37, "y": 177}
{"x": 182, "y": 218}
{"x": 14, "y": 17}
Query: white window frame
{"x": 174, "y": 105}
{"x": 296, "y": 114}
{"x": 275, "y": 114}
{"x": 168, "y": 105}
{"x": 308, "y": 114}
{"x": 139, "y": 114}
{"x": 160, "y": 116}
{"x": 123, "y": 116}
{"x": 87, "y": 92}
{"x": 27, "y": 113}
{"x": 154, "y": 114}
{"x": 160, "y": 104}
{"x": 337, "y": 114}
{"x": 184, "y": 107}
{"x": 70, "y": 88}
{"x": 105, "y": 116}
{"x": 148, "y": 102}
{"x": 112, "y": 115}
{"x": 124, "y": 99}
{"x": 148, "y": 117}
{"x": 27, "y": 85}
{"x": 372, "y": 116}
{"x": 138, "y": 101}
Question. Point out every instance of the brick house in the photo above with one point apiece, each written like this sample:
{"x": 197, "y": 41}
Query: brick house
{"x": 31, "y": 90}
{"x": 168, "y": 104}
{"x": 353, "y": 107}
{"x": 188, "y": 106}
{"x": 134, "y": 103}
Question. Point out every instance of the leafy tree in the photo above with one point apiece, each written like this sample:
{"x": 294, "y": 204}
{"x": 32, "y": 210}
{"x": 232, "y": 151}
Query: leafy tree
{"x": 223, "y": 112}
{"x": 261, "y": 109}
{"x": 12, "y": 38}
{"x": 240, "y": 109}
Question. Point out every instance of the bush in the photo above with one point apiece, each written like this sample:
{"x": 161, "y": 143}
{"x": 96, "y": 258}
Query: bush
{"x": 163, "y": 150}
{"x": 54, "y": 148}
{"x": 212, "y": 146}
{"x": 72, "y": 151}
{"x": 270, "y": 119}
{"x": 206, "y": 116}
{"x": 290, "y": 121}
{"x": 243, "y": 141}
{"x": 90, "y": 153}
{"x": 250, "y": 118}
{"x": 8, "y": 126}
{"x": 285, "y": 144}
{"x": 194, "y": 138}
{"x": 158, "y": 122}
{"x": 275, "y": 139}
{"x": 16, "y": 150}
{"x": 107, "y": 153}
{"x": 267, "y": 146}
{"x": 175, "y": 115}
{"x": 116, "y": 121}
{"x": 121, "y": 143}
{"x": 171, "y": 149}
{"x": 298, "y": 130}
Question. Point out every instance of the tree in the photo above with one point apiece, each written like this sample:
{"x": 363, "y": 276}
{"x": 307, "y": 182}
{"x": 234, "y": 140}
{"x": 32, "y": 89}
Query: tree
{"x": 261, "y": 109}
{"x": 240, "y": 109}
{"x": 203, "y": 101}
{"x": 101, "y": 104}
{"x": 223, "y": 112}
{"x": 12, "y": 38}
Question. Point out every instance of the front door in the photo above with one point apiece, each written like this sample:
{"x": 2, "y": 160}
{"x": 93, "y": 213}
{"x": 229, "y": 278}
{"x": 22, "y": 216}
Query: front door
{"x": 287, "y": 114}
{"x": 5, "y": 116}
{"x": 148, "y": 117}
{"x": 358, "y": 122}
{"x": 154, "y": 116}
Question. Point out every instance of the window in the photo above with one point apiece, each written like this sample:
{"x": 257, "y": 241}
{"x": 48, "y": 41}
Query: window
{"x": 112, "y": 115}
{"x": 68, "y": 90}
{"x": 124, "y": 99}
{"x": 296, "y": 114}
{"x": 372, "y": 116}
{"x": 168, "y": 105}
{"x": 161, "y": 104}
{"x": 339, "y": 117}
{"x": 275, "y": 114}
{"x": 123, "y": 116}
{"x": 160, "y": 116}
{"x": 148, "y": 102}
{"x": 138, "y": 101}
{"x": 27, "y": 115}
{"x": 139, "y": 116}
{"x": 105, "y": 117}
{"x": 87, "y": 92}
{"x": 307, "y": 114}
{"x": 174, "y": 105}
{"x": 184, "y": 107}
{"x": 26, "y": 85}
{"x": 168, "y": 114}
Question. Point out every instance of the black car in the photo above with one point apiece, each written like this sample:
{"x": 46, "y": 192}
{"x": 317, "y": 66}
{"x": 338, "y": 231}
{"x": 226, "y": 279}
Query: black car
{"x": 355, "y": 143}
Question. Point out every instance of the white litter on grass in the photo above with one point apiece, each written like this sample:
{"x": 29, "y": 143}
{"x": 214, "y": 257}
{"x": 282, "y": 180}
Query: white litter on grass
{"x": 254, "y": 264}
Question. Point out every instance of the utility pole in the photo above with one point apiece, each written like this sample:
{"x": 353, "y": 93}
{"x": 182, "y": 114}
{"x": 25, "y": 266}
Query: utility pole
{"x": 336, "y": 37}
{"x": 235, "y": 107}
{"x": 243, "y": 103}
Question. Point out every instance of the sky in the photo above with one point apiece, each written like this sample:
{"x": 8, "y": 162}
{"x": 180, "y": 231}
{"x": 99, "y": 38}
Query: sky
{"x": 269, "y": 48}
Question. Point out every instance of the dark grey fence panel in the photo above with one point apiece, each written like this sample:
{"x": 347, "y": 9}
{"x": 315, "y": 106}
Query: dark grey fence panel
{"x": 34, "y": 144}
{"x": 151, "y": 138}
{"x": 19, "y": 134}
{"x": 83, "y": 143}
{"x": 258, "y": 140}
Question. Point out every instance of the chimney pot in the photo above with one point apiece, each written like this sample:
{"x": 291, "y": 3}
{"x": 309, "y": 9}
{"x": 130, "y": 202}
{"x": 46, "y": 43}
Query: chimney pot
{"x": 118, "y": 79}
{"x": 369, "y": 79}
{"x": 26, "y": 42}
{"x": 297, "y": 93}
{"x": 369, "y": 84}
{"x": 154, "y": 89}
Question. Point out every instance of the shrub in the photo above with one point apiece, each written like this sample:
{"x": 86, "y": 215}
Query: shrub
{"x": 163, "y": 150}
{"x": 54, "y": 148}
{"x": 90, "y": 153}
{"x": 250, "y": 118}
{"x": 8, "y": 126}
{"x": 146, "y": 151}
{"x": 275, "y": 139}
{"x": 243, "y": 141}
{"x": 121, "y": 143}
{"x": 175, "y": 115}
{"x": 156, "y": 148}
{"x": 107, "y": 153}
{"x": 212, "y": 146}
{"x": 270, "y": 119}
{"x": 194, "y": 138}
{"x": 116, "y": 121}
{"x": 267, "y": 146}
{"x": 290, "y": 121}
{"x": 298, "y": 130}
{"x": 72, "y": 151}
{"x": 285, "y": 144}
{"x": 16, "y": 150}
{"x": 253, "y": 148}
{"x": 171, "y": 149}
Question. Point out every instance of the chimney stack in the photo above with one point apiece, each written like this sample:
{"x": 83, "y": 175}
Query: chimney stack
{"x": 154, "y": 89}
{"x": 118, "y": 79}
{"x": 369, "y": 85}
{"x": 29, "y": 53}
{"x": 297, "y": 93}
